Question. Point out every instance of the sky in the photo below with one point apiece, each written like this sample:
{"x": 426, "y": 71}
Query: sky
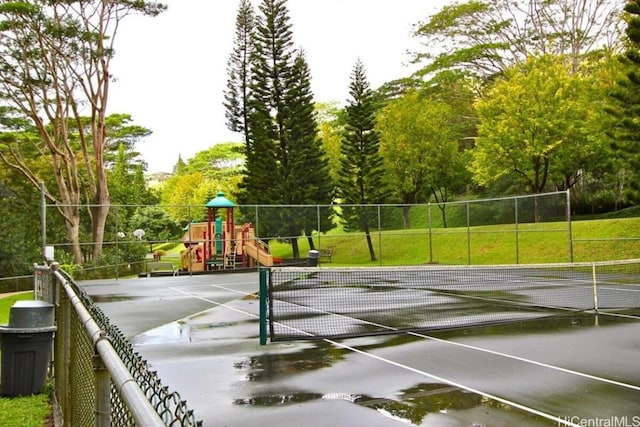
{"x": 170, "y": 71}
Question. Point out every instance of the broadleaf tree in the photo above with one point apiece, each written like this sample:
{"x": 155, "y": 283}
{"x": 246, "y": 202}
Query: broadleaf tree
{"x": 20, "y": 238}
{"x": 487, "y": 37}
{"x": 55, "y": 61}
{"x": 422, "y": 156}
{"x": 533, "y": 121}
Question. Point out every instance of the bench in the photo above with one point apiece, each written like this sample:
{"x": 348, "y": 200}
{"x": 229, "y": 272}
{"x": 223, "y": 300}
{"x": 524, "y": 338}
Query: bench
{"x": 325, "y": 254}
{"x": 153, "y": 266}
{"x": 215, "y": 264}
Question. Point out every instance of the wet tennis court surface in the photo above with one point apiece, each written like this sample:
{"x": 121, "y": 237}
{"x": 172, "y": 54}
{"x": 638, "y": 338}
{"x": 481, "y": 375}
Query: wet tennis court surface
{"x": 201, "y": 334}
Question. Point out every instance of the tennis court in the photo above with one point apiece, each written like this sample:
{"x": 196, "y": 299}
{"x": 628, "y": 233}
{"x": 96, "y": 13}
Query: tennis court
{"x": 575, "y": 367}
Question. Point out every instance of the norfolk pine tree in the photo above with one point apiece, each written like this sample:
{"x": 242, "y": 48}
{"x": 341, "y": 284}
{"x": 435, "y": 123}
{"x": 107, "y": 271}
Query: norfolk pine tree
{"x": 626, "y": 96}
{"x": 308, "y": 162}
{"x": 270, "y": 63}
{"x": 284, "y": 159}
{"x": 362, "y": 167}
{"x": 237, "y": 93}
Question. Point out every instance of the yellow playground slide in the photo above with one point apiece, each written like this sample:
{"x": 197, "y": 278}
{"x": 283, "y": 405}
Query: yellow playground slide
{"x": 260, "y": 255}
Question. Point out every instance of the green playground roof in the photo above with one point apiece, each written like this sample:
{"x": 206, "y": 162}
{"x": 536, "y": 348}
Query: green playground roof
{"x": 220, "y": 202}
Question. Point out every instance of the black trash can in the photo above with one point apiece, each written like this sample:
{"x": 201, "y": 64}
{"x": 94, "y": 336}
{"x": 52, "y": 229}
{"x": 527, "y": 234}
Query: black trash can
{"x": 26, "y": 348}
{"x": 312, "y": 258}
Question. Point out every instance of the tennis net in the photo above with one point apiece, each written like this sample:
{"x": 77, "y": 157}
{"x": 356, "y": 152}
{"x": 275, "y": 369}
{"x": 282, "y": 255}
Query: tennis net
{"x": 315, "y": 303}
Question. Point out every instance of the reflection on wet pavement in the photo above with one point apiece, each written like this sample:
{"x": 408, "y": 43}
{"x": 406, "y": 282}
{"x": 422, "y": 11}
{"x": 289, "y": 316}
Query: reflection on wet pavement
{"x": 276, "y": 365}
{"x": 171, "y": 332}
{"x": 113, "y": 298}
{"x": 410, "y": 405}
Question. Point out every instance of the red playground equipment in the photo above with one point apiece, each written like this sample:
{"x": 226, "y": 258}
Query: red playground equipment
{"x": 218, "y": 244}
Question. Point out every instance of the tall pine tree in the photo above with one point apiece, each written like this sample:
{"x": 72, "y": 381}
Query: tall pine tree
{"x": 362, "y": 168}
{"x": 270, "y": 65}
{"x": 285, "y": 163}
{"x": 307, "y": 162}
{"x": 627, "y": 97}
{"x": 237, "y": 93}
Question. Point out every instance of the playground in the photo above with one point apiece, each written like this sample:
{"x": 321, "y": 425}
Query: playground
{"x": 220, "y": 244}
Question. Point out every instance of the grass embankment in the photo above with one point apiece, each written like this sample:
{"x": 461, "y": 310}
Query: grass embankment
{"x": 535, "y": 243}
{"x": 593, "y": 240}
{"x": 28, "y": 411}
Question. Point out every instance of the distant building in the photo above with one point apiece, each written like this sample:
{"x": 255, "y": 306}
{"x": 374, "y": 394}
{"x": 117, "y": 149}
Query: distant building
{"x": 156, "y": 179}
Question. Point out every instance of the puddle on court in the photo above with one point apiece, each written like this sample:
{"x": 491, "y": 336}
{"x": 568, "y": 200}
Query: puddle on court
{"x": 113, "y": 298}
{"x": 169, "y": 333}
{"x": 412, "y": 405}
{"x": 180, "y": 331}
{"x": 276, "y": 365}
{"x": 321, "y": 354}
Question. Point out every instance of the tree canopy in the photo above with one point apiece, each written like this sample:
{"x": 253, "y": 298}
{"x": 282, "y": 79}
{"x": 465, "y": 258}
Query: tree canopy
{"x": 486, "y": 37}
{"x": 55, "y": 60}
{"x": 285, "y": 160}
{"x": 533, "y": 121}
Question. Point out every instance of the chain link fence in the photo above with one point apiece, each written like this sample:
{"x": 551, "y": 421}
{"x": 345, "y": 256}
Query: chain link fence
{"x": 514, "y": 230}
{"x": 99, "y": 380}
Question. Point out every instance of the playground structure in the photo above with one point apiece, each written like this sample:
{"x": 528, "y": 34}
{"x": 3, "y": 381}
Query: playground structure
{"x": 221, "y": 244}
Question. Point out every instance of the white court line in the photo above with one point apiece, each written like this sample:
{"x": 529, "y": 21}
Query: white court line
{"x": 484, "y": 350}
{"x": 558, "y": 420}
{"x": 219, "y": 304}
{"x": 534, "y": 411}
{"x": 530, "y": 410}
{"x": 234, "y": 290}
{"x": 533, "y": 362}
{"x": 218, "y": 286}
{"x": 625, "y": 316}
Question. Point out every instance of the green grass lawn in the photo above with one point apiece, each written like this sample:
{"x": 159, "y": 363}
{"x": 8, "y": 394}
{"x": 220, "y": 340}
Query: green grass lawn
{"x": 494, "y": 244}
{"x": 28, "y": 411}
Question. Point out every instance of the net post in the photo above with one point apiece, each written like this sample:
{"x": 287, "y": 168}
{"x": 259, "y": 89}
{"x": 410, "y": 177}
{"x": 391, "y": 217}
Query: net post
{"x": 569, "y": 229}
{"x": 468, "y": 234}
{"x": 430, "y": 234}
{"x": 595, "y": 287}
{"x": 515, "y": 212}
{"x": 263, "y": 305}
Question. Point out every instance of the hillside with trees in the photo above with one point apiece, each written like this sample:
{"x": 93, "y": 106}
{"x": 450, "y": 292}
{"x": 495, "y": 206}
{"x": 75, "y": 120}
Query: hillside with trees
{"x": 510, "y": 98}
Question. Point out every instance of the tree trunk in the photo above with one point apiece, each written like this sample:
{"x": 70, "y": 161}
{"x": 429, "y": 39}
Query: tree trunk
{"x": 72, "y": 225}
{"x": 312, "y": 245}
{"x": 443, "y": 209}
{"x": 100, "y": 211}
{"x": 295, "y": 249}
{"x": 405, "y": 217}
{"x": 372, "y": 252}
{"x": 99, "y": 216}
